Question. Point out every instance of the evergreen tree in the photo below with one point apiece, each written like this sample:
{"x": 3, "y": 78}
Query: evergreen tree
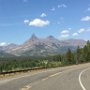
{"x": 85, "y": 53}
{"x": 69, "y": 57}
{"x": 78, "y": 55}
{"x": 88, "y": 50}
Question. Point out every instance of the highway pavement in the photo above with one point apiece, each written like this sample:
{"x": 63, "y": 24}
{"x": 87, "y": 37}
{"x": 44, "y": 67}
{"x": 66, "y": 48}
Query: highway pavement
{"x": 76, "y": 77}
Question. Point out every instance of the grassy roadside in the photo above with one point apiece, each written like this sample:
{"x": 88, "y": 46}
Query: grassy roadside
{"x": 54, "y": 64}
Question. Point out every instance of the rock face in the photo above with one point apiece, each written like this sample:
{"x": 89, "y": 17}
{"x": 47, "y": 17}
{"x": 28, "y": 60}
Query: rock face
{"x": 75, "y": 42}
{"x": 41, "y": 47}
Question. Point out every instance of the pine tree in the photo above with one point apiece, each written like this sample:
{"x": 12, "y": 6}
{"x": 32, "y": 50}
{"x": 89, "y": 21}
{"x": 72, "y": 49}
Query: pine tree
{"x": 88, "y": 50}
{"x": 69, "y": 57}
{"x": 85, "y": 53}
{"x": 78, "y": 55}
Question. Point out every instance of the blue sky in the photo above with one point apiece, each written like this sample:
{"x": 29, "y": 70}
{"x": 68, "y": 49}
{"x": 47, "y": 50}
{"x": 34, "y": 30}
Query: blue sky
{"x": 64, "y": 19}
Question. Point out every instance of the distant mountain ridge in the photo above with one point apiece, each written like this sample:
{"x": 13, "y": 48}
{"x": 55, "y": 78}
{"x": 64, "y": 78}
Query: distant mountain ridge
{"x": 8, "y": 47}
{"x": 41, "y": 47}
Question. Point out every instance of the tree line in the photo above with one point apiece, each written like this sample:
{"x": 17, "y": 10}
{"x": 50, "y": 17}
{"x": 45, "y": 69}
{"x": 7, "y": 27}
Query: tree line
{"x": 81, "y": 55}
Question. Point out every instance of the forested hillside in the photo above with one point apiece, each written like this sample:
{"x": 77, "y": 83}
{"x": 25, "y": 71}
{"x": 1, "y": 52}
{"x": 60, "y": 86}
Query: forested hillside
{"x": 81, "y": 55}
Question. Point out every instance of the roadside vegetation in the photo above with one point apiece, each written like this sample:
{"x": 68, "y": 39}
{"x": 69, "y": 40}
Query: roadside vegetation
{"x": 81, "y": 55}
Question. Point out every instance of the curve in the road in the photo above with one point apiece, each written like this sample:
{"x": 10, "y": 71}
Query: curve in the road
{"x": 80, "y": 81}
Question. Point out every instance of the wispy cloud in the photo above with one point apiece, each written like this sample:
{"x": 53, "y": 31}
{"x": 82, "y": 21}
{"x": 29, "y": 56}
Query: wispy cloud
{"x": 43, "y": 15}
{"x": 59, "y": 6}
{"x": 26, "y": 21}
{"x": 75, "y": 34}
{"x": 53, "y": 9}
{"x": 86, "y": 18}
{"x": 81, "y": 30}
{"x": 62, "y": 6}
{"x": 39, "y": 22}
{"x": 65, "y": 32}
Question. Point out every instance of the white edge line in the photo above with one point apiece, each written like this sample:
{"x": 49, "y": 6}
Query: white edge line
{"x": 80, "y": 75}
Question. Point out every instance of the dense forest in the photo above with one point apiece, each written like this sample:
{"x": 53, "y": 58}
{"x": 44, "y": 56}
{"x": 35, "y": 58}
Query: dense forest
{"x": 81, "y": 55}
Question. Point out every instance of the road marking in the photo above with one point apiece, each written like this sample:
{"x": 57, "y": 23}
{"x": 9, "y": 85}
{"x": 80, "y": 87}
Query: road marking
{"x": 50, "y": 76}
{"x": 15, "y": 78}
{"x": 45, "y": 78}
{"x": 26, "y": 87}
{"x": 80, "y": 75}
{"x": 54, "y": 74}
{"x": 19, "y": 77}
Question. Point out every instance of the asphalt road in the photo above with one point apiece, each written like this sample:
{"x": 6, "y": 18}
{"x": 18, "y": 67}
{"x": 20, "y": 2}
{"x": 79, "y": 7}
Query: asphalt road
{"x": 75, "y": 77}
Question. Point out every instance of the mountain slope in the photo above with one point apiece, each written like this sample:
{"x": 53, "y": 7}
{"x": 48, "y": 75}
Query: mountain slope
{"x": 8, "y": 47}
{"x": 50, "y": 45}
{"x": 5, "y": 54}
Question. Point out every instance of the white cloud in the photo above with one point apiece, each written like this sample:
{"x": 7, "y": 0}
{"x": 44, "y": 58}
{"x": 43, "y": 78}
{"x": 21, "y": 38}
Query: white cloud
{"x": 65, "y": 32}
{"x": 43, "y": 15}
{"x": 62, "y": 6}
{"x": 81, "y": 30}
{"x": 75, "y": 34}
{"x": 64, "y": 35}
{"x": 3, "y": 44}
{"x": 53, "y": 9}
{"x": 39, "y": 22}
{"x": 86, "y": 18}
{"x": 26, "y": 21}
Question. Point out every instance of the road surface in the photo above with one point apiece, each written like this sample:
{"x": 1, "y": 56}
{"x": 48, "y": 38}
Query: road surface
{"x": 75, "y": 77}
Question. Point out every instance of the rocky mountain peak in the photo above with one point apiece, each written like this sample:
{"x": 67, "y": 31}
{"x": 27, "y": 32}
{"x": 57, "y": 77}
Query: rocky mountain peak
{"x": 47, "y": 46}
{"x": 33, "y": 37}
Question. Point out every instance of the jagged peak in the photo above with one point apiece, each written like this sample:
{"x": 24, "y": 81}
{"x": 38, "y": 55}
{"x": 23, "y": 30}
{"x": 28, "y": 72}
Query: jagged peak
{"x": 33, "y": 37}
